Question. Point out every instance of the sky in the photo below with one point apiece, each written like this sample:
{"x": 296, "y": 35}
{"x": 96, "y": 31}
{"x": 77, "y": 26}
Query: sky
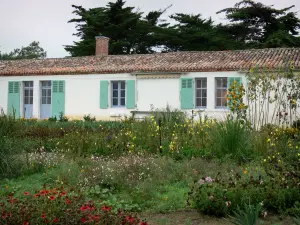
{"x": 24, "y": 21}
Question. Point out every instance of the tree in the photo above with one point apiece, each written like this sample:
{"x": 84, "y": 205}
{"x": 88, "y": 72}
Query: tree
{"x": 193, "y": 33}
{"x": 258, "y": 25}
{"x": 128, "y": 31}
{"x": 32, "y": 51}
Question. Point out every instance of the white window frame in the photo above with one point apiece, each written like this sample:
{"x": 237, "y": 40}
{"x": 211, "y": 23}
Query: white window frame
{"x": 201, "y": 88}
{"x": 222, "y": 89}
{"x": 119, "y": 82}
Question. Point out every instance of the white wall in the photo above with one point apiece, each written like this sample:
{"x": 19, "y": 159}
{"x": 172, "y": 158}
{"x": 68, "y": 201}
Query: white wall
{"x": 158, "y": 92}
{"x": 82, "y": 93}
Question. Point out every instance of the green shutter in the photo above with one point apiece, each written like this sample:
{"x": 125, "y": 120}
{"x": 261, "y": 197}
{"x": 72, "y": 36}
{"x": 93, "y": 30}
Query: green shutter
{"x": 230, "y": 82}
{"x": 130, "y": 94}
{"x": 13, "y": 106}
{"x": 103, "y": 94}
{"x": 58, "y": 98}
{"x": 187, "y": 93}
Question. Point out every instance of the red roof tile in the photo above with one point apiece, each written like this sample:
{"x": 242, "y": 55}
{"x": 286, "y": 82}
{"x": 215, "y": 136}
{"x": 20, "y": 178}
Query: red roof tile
{"x": 238, "y": 60}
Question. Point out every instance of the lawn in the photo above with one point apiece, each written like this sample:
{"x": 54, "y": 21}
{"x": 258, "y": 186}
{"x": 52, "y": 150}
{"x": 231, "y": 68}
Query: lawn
{"x": 166, "y": 169}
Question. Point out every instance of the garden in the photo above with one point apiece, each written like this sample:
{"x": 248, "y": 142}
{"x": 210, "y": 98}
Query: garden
{"x": 170, "y": 168}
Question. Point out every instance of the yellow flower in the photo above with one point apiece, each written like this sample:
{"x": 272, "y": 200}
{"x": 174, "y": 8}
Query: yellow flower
{"x": 166, "y": 198}
{"x": 265, "y": 160}
{"x": 245, "y": 171}
{"x": 268, "y": 140}
{"x": 6, "y": 187}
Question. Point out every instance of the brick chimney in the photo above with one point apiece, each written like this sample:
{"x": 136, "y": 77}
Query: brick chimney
{"x": 102, "y": 44}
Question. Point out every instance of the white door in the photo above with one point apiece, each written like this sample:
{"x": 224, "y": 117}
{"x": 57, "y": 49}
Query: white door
{"x": 28, "y": 99}
{"x": 45, "y": 99}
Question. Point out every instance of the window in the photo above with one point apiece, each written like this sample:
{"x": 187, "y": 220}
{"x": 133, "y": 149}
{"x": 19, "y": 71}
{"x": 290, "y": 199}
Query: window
{"x": 221, "y": 92}
{"x": 201, "y": 92}
{"x": 118, "y": 93}
{"x": 46, "y": 92}
{"x": 28, "y": 92}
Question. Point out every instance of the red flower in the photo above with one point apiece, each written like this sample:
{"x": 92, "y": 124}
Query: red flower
{"x": 83, "y": 220}
{"x": 44, "y": 216}
{"x": 44, "y": 192}
{"x": 63, "y": 193}
{"x": 36, "y": 195}
{"x": 87, "y": 207}
{"x": 106, "y": 208}
{"x": 26, "y": 223}
{"x": 144, "y": 223}
{"x": 130, "y": 219}
{"x": 96, "y": 218}
{"x": 68, "y": 201}
{"x": 52, "y": 198}
{"x": 26, "y": 193}
{"x": 55, "y": 220}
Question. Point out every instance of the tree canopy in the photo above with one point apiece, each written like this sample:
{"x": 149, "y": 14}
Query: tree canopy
{"x": 32, "y": 51}
{"x": 249, "y": 24}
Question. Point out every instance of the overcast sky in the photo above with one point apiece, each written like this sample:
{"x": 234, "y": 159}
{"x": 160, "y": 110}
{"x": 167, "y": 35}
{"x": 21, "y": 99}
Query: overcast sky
{"x": 24, "y": 21}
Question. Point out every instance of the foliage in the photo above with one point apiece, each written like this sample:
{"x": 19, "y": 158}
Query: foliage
{"x": 232, "y": 138}
{"x": 249, "y": 25}
{"x": 247, "y": 216}
{"x": 62, "y": 206}
{"x": 257, "y": 25}
{"x": 32, "y": 51}
{"x": 272, "y": 96}
{"x": 89, "y": 118}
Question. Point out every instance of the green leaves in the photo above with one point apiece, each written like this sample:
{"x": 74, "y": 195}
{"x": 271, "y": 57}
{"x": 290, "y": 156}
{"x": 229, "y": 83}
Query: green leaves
{"x": 32, "y": 51}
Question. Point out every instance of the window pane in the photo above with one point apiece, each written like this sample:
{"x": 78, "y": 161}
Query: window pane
{"x": 198, "y": 101}
{"x": 31, "y": 92}
{"x": 218, "y": 102}
{"x": 219, "y": 93}
{"x": 26, "y": 93}
{"x": 25, "y": 100}
{"x": 49, "y": 92}
{"x": 218, "y": 82}
{"x": 199, "y": 83}
{"x": 48, "y": 100}
{"x": 203, "y": 101}
{"x": 122, "y": 101}
{"x": 122, "y": 84}
{"x": 44, "y": 92}
{"x": 115, "y": 101}
{"x": 31, "y": 100}
{"x": 198, "y": 93}
{"x": 224, "y": 82}
{"x": 115, "y": 85}
{"x": 204, "y": 83}
{"x": 204, "y": 93}
{"x": 123, "y": 93}
{"x": 115, "y": 94}
{"x": 224, "y": 102}
{"x": 44, "y": 100}
{"x": 224, "y": 93}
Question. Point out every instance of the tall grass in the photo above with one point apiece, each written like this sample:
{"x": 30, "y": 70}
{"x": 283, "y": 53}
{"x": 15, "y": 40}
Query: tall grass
{"x": 8, "y": 163}
{"x": 233, "y": 139}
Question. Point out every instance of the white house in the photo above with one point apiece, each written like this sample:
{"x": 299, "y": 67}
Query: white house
{"x": 112, "y": 86}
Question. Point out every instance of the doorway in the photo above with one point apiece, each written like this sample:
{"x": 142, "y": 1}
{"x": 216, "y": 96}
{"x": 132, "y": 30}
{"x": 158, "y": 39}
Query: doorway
{"x": 28, "y": 99}
{"x": 45, "y": 99}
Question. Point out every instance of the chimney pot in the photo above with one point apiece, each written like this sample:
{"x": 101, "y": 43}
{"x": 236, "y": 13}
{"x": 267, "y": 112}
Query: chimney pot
{"x": 102, "y": 44}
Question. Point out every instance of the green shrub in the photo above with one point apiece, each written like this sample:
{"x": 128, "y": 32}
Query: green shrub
{"x": 248, "y": 215}
{"x": 89, "y": 118}
{"x": 62, "y": 206}
{"x": 232, "y": 138}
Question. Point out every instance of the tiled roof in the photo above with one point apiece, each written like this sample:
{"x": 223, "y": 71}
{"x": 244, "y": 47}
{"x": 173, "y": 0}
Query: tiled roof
{"x": 238, "y": 60}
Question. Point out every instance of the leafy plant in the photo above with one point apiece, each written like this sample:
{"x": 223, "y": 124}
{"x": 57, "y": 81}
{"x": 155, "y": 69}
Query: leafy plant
{"x": 248, "y": 215}
{"x": 89, "y": 118}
